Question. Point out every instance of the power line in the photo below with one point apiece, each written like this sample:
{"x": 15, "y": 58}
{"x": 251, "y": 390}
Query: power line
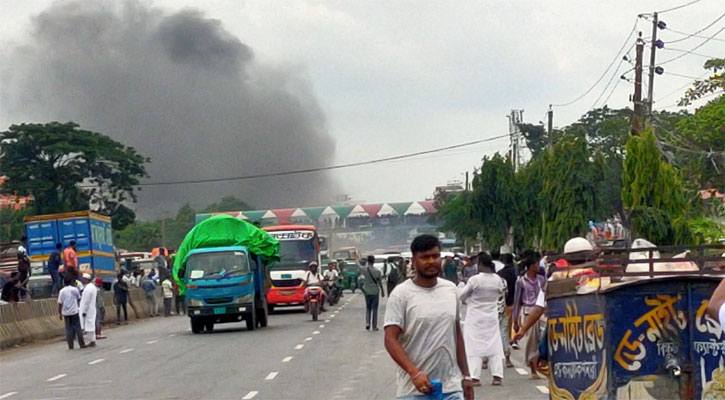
{"x": 679, "y": 89}
{"x": 616, "y": 56}
{"x": 688, "y": 51}
{"x": 318, "y": 169}
{"x": 680, "y": 75}
{"x": 694, "y": 48}
{"x": 611, "y": 79}
{"x": 696, "y": 33}
{"x": 679, "y": 7}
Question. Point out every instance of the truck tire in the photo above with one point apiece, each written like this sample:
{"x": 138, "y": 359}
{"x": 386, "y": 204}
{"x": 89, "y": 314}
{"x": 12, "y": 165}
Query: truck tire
{"x": 270, "y": 308}
{"x": 251, "y": 320}
{"x": 262, "y": 317}
{"x": 196, "y": 325}
{"x": 209, "y": 326}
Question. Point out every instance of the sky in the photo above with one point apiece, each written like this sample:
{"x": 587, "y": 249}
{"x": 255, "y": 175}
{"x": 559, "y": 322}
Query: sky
{"x": 339, "y": 82}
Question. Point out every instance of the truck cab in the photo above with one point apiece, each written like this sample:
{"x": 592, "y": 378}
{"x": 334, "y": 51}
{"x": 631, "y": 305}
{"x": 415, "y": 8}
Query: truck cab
{"x": 225, "y": 284}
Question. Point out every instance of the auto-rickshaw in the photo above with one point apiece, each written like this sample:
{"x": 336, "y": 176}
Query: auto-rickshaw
{"x": 350, "y": 273}
{"x": 634, "y": 326}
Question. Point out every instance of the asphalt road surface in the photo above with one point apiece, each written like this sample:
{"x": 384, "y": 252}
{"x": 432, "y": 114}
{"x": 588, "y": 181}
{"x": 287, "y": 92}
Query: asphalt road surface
{"x": 293, "y": 358}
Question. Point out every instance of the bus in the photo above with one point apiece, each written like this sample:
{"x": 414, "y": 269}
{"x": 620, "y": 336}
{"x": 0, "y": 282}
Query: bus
{"x": 299, "y": 245}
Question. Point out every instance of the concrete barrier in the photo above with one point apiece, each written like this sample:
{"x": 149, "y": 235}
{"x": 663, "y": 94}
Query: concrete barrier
{"x": 22, "y": 323}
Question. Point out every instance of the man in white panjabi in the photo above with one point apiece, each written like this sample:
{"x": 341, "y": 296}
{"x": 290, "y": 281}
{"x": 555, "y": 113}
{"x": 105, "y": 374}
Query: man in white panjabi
{"x": 482, "y": 334}
{"x": 87, "y": 309}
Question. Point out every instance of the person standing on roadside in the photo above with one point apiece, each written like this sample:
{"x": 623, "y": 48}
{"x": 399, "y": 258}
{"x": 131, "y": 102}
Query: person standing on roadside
{"x": 120, "y": 297}
{"x": 70, "y": 260}
{"x": 68, "y": 299}
{"x": 508, "y": 273}
{"x": 372, "y": 288}
{"x": 162, "y": 265}
{"x": 54, "y": 262}
{"x": 23, "y": 262}
{"x": 168, "y": 290}
{"x": 423, "y": 332}
{"x": 482, "y": 334}
{"x": 149, "y": 288}
{"x": 88, "y": 309}
{"x": 450, "y": 270}
{"x": 100, "y": 308}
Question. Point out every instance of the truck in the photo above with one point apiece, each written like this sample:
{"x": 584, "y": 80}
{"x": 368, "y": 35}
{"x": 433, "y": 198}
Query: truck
{"x": 299, "y": 246}
{"x": 221, "y": 270}
{"x": 93, "y": 236}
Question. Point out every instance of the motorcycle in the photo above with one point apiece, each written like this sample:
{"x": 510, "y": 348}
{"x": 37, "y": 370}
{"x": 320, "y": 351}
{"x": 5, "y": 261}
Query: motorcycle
{"x": 334, "y": 292}
{"x": 314, "y": 300}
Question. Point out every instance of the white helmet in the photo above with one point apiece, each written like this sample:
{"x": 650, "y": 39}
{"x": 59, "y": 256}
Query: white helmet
{"x": 576, "y": 245}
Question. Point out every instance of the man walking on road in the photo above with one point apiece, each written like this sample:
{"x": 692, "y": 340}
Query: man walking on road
{"x": 88, "y": 309}
{"x": 372, "y": 288}
{"x": 68, "y": 299}
{"x": 423, "y": 332}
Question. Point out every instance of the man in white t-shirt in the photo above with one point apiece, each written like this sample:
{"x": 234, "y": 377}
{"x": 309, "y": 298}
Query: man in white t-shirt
{"x": 423, "y": 332}
{"x": 313, "y": 277}
{"x": 68, "y": 299}
{"x": 716, "y": 308}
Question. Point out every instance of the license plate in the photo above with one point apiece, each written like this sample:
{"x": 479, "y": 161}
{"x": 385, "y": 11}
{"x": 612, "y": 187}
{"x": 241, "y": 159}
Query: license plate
{"x": 286, "y": 276}
{"x": 289, "y": 292}
{"x": 220, "y": 310}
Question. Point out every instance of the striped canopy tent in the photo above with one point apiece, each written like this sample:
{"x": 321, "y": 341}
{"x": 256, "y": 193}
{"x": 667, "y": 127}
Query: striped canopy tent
{"x": 254, "y": 216}
{"x": 299, "y": 216}
{"x": 315, "y": 212}
{"x": 357, "y": 212}
{"x": 329, "y": 212}
{"x": 372, "y": 209}
{"x": 235, "y": 214}
{"x": 387, "y": 211}
{"x": 283, "y": 214}
{"x": 268, "y": 214}
{"x": 430, "y": 206}
{"x": 415, "y": 209}
{"x": 343, "y": 211}
{"x": 401, "y": 208}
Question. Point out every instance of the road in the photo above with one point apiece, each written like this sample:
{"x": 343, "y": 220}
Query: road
{"x": 293, "y": 358}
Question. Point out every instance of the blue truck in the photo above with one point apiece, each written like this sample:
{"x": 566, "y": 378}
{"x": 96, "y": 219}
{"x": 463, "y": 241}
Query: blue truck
{"x": 220, "y": 269}
{"x": 93, "y": 236}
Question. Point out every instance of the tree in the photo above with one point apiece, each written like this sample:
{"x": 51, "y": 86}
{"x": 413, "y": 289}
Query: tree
{"x": 66, "y": 168}
{"x": 456, "y": 216}
{"x": 713, "y": 84}
{"x": 653, "y": 194}
{"x": 228, "y": 203}
{"x": 12, "y": 226}
{"x": 139, "y": 236}
{"x": 494, "y": 194}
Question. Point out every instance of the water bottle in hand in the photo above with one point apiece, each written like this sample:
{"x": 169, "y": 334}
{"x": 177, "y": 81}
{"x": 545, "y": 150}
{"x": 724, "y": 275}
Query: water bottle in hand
{"x": 437, "y": 393}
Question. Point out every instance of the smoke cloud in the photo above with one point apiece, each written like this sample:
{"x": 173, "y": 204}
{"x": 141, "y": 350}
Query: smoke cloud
{"x": 181, "y": 90}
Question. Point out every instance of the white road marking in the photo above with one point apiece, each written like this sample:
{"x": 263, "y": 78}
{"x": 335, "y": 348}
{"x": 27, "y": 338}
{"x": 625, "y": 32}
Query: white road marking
{"x": 6, "y": 395}
{"x": 299, "y": 346}
{"x": 126, "y": 351}
{"x": 287, "y": 359}
{"x": 316, "y": 332}
{"x": 96, "y": 361}
{"x": 327, "y": 320}
{"x": 522, "y": 371}
{"x": 189, "y": 330}
{"x": 172, "y": 335}
{"x": 250, "y": 395}
{"x": 55, "y": 378}
{"x": 271, "y": 376}
{"x": 322, "y": 326}
{"x": 543, "y": 389}
{"x": 307, "y": 339}
{"x": 332, "y": 316}
{"x": 152, "y": 342}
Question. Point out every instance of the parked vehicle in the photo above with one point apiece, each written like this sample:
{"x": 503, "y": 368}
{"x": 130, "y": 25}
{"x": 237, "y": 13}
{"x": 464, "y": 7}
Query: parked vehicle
{"x": 93, "y": 236}
{"x": 221, "y": 270}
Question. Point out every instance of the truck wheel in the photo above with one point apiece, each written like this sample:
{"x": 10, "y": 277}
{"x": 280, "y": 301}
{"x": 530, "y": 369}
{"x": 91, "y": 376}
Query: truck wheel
{"x": 270, "y": 308}
{"x": 196, "y": 325}
{"x": 251, "y": 320}
{"x": 262, "y": 317}
{"x": 209, "y": 326}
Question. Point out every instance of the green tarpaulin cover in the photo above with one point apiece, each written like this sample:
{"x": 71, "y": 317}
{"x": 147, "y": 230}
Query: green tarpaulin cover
{"x": 220, "y": 231}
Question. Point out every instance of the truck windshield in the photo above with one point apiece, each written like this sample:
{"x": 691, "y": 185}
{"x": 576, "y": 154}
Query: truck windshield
{"x": 296, "y": 254}
{"x": 342, "y": 255}
{"x": 216, "y": 265}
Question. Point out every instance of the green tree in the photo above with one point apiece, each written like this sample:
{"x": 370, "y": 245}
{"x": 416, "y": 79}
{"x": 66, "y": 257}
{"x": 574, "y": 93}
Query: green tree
{"x": 66, "y": 168}
{"x": 456, "y": 216}
{"x": 713, "y": 84}
{"x": 653, "y": 193}
{"x": 139, "y": 236}
{"x": 12, "y": 226}
{"x": 494, "y": 194}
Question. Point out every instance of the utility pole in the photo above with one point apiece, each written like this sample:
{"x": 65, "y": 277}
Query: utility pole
{"x": 515, "y": 118}
{"x": 653, "y": 48}
{"x": 638, "y": 116}
{"x": 466, "y": 181}
{"x": 163, "y": 232}
{"x": 550, "y": 128}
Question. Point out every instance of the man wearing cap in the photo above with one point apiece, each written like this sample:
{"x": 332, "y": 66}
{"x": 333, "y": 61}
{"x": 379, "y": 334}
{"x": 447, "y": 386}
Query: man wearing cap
{"x": 88, "y": 309}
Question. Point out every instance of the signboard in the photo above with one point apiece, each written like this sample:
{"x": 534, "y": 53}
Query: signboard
{"x": 292, "y": 235}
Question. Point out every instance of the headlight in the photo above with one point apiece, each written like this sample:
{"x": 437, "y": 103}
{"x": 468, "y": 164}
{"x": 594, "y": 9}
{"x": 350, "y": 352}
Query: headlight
{"x": 196, "y": 303}
{"x": 244, "y": 299}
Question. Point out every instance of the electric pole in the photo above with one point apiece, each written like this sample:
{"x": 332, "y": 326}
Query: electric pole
{"x": 653, "y": 48}
{"x": 550, "y": 128}
{"x": 638, "y": 116}
{"x": 515, "y": 118}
